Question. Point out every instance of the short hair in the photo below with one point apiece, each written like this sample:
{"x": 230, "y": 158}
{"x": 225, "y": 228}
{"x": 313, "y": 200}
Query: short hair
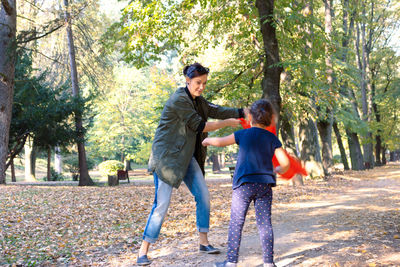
{"x": 195, "y": 70}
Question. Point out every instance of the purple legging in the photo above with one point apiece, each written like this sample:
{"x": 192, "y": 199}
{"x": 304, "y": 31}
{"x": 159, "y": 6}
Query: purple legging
{"x": 241, "y": 199}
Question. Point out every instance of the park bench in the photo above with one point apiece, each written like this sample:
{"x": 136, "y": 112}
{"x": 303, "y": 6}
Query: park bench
{"x": 122, "y": 175}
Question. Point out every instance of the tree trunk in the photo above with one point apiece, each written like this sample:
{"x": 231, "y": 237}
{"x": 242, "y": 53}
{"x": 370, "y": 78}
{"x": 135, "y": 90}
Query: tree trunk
{"x": 271, "y": 80}
{"x": 8, "y": 15}
{"x": 57, "y": 160}
{"x": 325, "y": 120}
{"x": 221, "y": 157}
{"x": 84, "y": 178}
{"x": 310, "y": 149}
{"x": 30, "y": 159}
{"x": 127, "y": 164}
{"x": 384, "y": 155}
{"x": 215, "y": 163}
{"x": 365, "y": 93}
{"x": 356, "y": 156}
{"x": 13, "y": 178}
{"x": 325, "y": 133}
{"x": 378, "y": 139}
{"x": 289, "y": 142}
{"x": 49, "y": 163}
{"x": 287, "y": 133}
{"x": 341, "y": 147}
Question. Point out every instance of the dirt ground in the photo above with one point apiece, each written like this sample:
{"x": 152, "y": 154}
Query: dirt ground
{"x": 352, "y": 219}
{"x": 354, "y": 223}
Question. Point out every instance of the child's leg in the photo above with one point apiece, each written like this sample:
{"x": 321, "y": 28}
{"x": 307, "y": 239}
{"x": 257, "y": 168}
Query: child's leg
{"x": 241, "y": 199}
{"x": 262, "y": 204}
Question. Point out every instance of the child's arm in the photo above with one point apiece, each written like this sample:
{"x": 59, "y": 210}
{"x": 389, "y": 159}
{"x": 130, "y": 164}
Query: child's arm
{"x": 282, "y": 159}
{"x": 219, "y": 141}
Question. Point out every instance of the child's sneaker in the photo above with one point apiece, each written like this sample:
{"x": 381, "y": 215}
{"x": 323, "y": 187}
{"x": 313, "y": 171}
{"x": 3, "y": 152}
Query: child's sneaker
{"x": 269, "y": 265}
{"x": 225, "y": 264}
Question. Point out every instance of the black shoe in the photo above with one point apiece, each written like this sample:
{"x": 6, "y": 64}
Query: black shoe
{"x": 209, "y": 249}
{"x": 143, "y": 260}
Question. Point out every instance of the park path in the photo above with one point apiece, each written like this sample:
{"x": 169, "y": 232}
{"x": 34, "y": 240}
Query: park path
{"x": 356, "y": 225}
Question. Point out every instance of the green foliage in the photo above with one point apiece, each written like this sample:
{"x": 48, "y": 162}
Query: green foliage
{"x": 110, "y": 167}
{"x": 55, "y": 176}
{"x": 127, "y": 113}
{"x": 142, "y": 154}
{"x": 71, "y": 164}
{"x": 45, "y": 113}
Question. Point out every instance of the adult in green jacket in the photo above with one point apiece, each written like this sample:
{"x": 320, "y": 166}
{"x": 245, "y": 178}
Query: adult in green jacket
{"x": 177, "y": 154}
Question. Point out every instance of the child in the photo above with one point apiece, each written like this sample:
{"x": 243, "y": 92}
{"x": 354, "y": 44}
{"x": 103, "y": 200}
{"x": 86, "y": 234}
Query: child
{"x": 253, "y": 178}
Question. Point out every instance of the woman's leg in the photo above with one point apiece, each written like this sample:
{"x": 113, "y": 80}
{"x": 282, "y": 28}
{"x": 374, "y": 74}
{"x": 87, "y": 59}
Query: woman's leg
{"x": 262, "y": 204}
{"x": 162, "y": 199}
{"x": 241, "y": 199}
{"x": 196, "y": 184}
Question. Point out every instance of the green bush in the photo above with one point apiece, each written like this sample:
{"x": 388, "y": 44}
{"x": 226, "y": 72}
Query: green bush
{"x": 71, "y": 164}
{"x": 110, "y": 167}
{"x": 55, "y": 176}
{"x": 337, "y": 159}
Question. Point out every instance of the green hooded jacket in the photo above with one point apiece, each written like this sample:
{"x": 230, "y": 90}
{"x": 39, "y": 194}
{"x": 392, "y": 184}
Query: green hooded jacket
{"x": 181, "y": 125}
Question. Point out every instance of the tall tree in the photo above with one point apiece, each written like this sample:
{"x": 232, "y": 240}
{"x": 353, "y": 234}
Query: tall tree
{"x": 272, "y": 68}
{"x": 8, "y": 15}
{"x": 347, "y": 92}
{"x": 365, "y": 86}
{"x": 84, "y": 178}
{"x": 325, "y": 120}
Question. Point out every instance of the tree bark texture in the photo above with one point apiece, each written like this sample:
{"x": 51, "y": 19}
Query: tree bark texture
{"x": 384, "y": 155}
{"x": 378, "y": 139}
{"x": 341, "y": 146}
{"x": 49, "y": 164}
{"x": 13, "y": 178}
{"x": 84, "y": 178}
{"x": 127, "y": 165}
{"x": 271, "y": 80}
{"x": 356, "y": 157}
{"x": 310, "y": 149}
{"x": 221, "y": 157}
{"x": 325, "y": 133}
{"x": 215, "y": 163}
{"x": 287, "y": 133}
{"x": 8, "y": 15}
{"x": 289, "y": 142}
{"x": 30, "y": 159}
{"x": 366, "y": 93}
{"x": 57, "y": 160}
{"x": 325, "y": 121}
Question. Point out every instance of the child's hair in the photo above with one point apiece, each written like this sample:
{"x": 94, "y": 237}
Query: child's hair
{"x": 262, "y": 112}
{"x": 195, "y": 70}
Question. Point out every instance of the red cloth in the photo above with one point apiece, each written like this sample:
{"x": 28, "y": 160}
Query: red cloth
{"x": 295, "y": 164}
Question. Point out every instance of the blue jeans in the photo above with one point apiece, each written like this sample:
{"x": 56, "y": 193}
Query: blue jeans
{"x": 196, "y": 184}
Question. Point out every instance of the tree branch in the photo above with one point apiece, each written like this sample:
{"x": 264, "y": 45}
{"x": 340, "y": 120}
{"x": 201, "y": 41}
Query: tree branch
{"x": 7, "y": 7}
{"x": 28, "y": 36}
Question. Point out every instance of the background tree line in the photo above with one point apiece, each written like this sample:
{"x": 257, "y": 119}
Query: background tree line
{"x": 330, "y": 68}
